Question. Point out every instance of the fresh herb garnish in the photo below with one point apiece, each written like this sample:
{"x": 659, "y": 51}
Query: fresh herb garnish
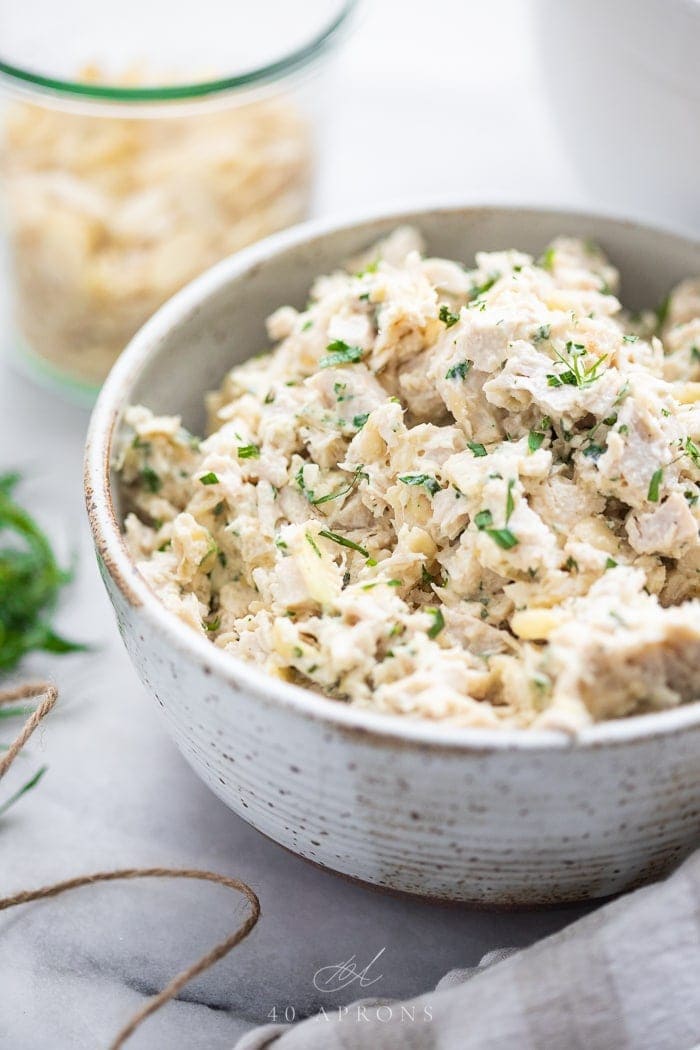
{"x": 542, "y": 333}
{"x": 339, "y": 353}
{"x": 654, "y": 484}
{"x": 438, "y": 620}
{"x": 534, "y": 440}
{"x": 427, "y": 480}
{"x": 477, "y": 290}
{"x": 458, "y": 371}
{"x": 152, "y": 481}
{"x": 610, "y": 563}
{"x": 576, "y": 373}
{"x": 483, "y": 519}
{"x": 359, "y": 473}
{"x": 209, "y": 479}
{"x": 447, "y": 317}
{"x": 484, "y": 522}
{"x": 503, "y": 537}
{"x": 510, "y": 505}
{"x": 248, "y": 452}
{"x": 477, "y": 449}
{"x": 344, "y": 542}
{"x": 693, "y": 451}
{"x": 630, "y": 338}
{"x": 359, "y": 421}
{"x": 546, "y": 260}
{"x": 30, "y": 582}
{"x": 662, "y": 310}
{"x": 312, "y": 543}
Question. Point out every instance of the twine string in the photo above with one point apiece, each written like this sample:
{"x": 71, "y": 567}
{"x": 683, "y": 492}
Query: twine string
{"x": 178, "y": 982}
{"x": 31, "y": 690}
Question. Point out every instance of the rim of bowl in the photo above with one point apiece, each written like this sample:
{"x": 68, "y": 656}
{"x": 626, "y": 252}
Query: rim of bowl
{"x": 111, "y": 548}
{"x": 35, "y": 83}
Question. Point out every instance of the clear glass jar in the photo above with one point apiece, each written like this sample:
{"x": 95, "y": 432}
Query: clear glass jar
{"x": 137, "y": 147}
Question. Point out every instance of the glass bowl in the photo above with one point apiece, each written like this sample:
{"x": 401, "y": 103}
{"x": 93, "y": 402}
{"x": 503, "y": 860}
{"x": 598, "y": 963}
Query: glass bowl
{"x": 138, "y": 149}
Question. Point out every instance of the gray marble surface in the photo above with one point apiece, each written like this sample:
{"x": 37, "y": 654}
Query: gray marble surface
{"x": 117, "y": 793}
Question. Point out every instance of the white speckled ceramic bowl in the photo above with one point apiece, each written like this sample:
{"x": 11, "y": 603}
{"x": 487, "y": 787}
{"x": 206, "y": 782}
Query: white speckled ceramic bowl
{"x": 507, "y": 818}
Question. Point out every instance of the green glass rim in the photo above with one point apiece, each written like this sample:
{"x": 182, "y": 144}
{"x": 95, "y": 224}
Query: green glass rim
{"x": 265, "y": 74}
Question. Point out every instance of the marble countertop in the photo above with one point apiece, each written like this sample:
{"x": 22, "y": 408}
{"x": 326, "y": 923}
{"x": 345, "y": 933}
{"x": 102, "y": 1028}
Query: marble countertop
{"x": 117, "y": 793}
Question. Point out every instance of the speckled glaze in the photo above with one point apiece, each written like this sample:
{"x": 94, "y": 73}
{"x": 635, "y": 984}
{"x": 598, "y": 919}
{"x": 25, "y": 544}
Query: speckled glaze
{"x": 494, "y": 818}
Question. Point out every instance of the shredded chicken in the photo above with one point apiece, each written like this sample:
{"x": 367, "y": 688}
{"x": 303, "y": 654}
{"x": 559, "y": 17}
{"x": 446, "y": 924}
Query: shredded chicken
{"x": 449, "y": 494}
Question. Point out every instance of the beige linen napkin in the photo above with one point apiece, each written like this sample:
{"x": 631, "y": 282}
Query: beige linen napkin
{"x": 625, "y": 977}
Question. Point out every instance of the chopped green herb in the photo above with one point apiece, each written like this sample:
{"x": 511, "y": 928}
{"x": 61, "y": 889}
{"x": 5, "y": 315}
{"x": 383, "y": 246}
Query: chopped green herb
{"x": 344, "y": 542}
{"x": 691, "y": 497}
{"x": 438, "y": 621}
{"x": 571, "y": 565}
{"x": 359, "y": 473}
{"x": 477, "y": 448}
{"x": 693, "y": 451}
{"x": 656, "y": 479}
{"x": 510, "y": 505}
{"x": 503, "y": 537}
{"x": 429, "y": 482}
{"x": 458, "y": 371}
{"x": 630, "y": 338}
{"x": 359, "y": 421}
{"x": 662, "y": 310}
{"x": 546, "y": 260}
{"x": 622, "y": 394}
{"x": 477, "y": 290}
{"x": 306, "y": 325}
{"x": 299, "y": 478}
{"x": 694, "y": 353}
{"x": 312, "y": 543}
{"x": 152, "y": 481}
{"x": 212, "y": 625}
{"x": 542, "y": 333}
{"x": 593, "y": 451}
{"x": 209, "y": 479}
{"x": 610, "y": 563}
{"x": 369, "y": 268}
{"x": 248, "y": 452}
{"x": 483, "y": 519}
{"x": 339, "y": 353}
{"x": 576, "y": 373}
{"x": 534, "y": 440}
{"x": 447, "y": 317}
